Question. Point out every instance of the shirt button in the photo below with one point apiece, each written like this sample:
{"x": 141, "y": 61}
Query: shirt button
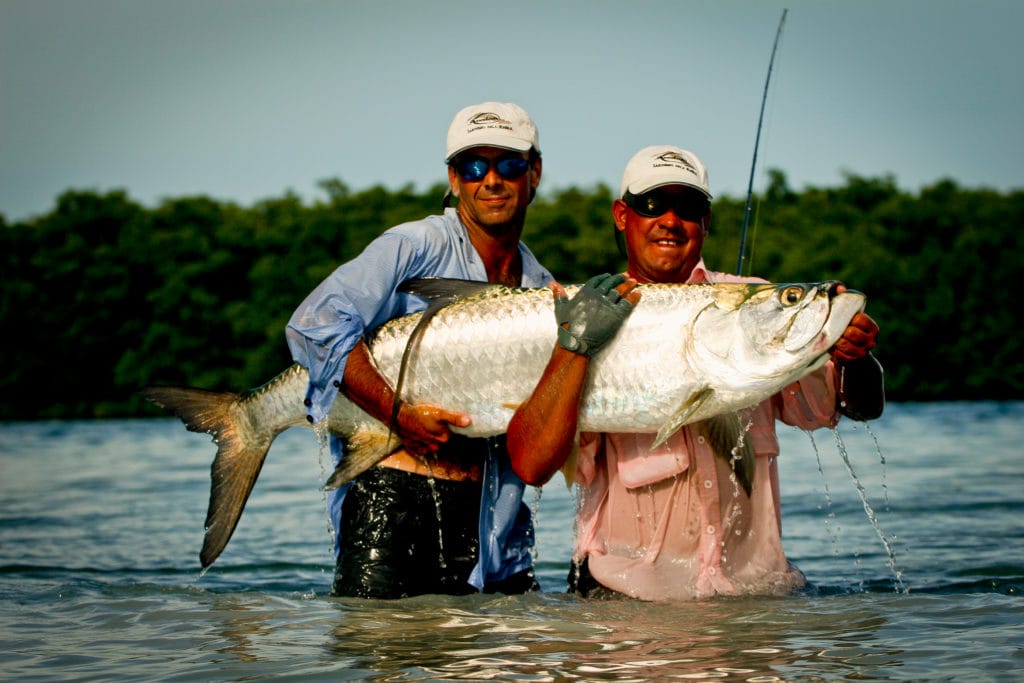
{"x": 337, "y": 384}
{"x": 711, "y": 528}
{"x": 708, "y": 483}
{"x": 700, "y": 439}
{"x": 308, "y": 402}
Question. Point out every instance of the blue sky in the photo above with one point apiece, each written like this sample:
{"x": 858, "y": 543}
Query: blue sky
{"x": 245, "y": 100}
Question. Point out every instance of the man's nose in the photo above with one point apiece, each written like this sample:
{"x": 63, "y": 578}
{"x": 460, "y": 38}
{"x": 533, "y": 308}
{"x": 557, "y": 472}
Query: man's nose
{"x": 493, "y": 178}
{"x": 670, "y": 219}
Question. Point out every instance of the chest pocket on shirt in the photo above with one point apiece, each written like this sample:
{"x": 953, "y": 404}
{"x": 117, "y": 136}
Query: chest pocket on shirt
{"x": 639, "y": 466}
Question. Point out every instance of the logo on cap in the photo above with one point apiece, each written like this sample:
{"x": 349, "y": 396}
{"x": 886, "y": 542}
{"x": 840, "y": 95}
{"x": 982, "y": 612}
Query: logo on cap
{"x": 487, "y": 120}
{"x": 675, "y": 159}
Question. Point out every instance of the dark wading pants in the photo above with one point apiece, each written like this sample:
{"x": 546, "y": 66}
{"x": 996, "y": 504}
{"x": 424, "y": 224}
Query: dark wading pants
{"x": 394, "y": 525}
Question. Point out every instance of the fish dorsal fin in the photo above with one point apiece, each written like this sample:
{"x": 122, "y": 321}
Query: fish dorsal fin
{"x": 685, "y": 411}
{"x": 439, "y": 293}
{"x": 727, "y": 439}
{"x": 443, "y": 290}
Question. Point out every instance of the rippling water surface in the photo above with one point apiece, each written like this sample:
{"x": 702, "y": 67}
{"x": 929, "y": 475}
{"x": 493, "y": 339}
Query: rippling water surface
{"x": 916, "y": 576}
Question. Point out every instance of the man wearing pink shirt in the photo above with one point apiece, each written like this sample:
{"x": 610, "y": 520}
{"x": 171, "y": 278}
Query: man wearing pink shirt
{"x": 672, "y": 523}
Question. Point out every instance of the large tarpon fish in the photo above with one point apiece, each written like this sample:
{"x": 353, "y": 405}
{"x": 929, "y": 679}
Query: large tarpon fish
{"x": 687, "y": 353}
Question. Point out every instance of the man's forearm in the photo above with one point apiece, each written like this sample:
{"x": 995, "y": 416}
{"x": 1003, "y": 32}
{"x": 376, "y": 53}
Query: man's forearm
{"x": 365, "y": 386}
{"x": 543, "y": 429}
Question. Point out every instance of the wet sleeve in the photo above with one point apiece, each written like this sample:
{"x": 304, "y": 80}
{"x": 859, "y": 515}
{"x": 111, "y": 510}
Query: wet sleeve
{"x": 810, "y": 403}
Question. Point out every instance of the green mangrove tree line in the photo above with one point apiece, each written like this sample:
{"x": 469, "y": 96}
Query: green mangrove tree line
{"x": 102, "y": 296}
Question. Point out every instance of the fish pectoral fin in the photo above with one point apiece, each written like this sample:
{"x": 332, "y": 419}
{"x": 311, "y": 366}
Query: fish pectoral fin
{"x": 364, "y": 447}
{"x": 728, "y": 440}
{"x": 682, "y": 414}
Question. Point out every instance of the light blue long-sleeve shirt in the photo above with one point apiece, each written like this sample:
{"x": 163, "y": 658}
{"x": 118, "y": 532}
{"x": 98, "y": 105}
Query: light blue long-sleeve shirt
{"x": 358, "y": 297}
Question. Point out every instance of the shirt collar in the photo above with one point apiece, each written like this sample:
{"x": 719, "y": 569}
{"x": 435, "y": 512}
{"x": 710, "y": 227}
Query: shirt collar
{"x": 699, "y": 274}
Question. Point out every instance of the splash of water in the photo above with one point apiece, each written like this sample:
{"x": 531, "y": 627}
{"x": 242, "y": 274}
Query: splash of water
{"x": 323, "y": 440}
{"x": 437, "y": 509}
{"x": 534, "y": 515}
{"x": 891, "y": 563}
{"x": 830, "y": 528}
{"x": 746, "y": 422}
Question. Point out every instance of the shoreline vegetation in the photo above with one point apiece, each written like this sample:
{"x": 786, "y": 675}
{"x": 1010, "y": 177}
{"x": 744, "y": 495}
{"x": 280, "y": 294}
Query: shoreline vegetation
{"x": 103, "y": 296}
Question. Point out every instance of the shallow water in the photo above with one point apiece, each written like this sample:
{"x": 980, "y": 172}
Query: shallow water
{"x": 101, "y": 524}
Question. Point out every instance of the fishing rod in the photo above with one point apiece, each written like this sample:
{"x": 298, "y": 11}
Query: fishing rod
{"x": 857, "y": 392}
{"x": 757, "y": 142}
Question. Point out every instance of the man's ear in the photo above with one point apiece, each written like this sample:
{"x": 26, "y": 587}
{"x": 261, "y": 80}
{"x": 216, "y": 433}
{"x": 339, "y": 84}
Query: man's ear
{"x": 452, "y": 178}
{"x": 619, "y": 214}
{"x": 538, "y": 168}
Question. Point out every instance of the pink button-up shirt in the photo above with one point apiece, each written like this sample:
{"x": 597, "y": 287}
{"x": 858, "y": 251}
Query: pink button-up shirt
{"x": 670, "y": 524}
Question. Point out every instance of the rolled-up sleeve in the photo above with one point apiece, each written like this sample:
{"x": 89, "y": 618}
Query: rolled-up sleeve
{"x": 358, "y": 296}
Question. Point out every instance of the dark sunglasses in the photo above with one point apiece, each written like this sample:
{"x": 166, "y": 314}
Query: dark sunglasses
{"x": 655, "y": 203}
{"x": 474, "y": 169}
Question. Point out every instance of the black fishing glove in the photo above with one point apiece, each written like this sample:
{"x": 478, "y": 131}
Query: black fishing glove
{"x": 593, "y": 315}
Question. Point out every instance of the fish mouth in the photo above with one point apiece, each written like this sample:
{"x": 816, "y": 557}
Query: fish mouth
{"x": 842, "y": 307}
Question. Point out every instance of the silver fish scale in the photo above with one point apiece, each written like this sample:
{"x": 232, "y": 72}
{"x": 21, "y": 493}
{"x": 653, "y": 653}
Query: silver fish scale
{"x": 484, "y": 355}
{"x": 686, "y": 353}
{"x": 642, "y": 377}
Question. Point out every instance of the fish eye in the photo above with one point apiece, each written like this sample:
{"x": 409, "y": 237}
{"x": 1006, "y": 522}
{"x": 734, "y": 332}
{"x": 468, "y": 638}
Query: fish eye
{"x": 791, "y": 295}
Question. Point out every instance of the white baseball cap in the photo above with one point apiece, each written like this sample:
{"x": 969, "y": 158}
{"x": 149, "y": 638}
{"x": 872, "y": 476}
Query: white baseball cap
{"x": 660, "y": 165}
{"x": 492, "y": 124}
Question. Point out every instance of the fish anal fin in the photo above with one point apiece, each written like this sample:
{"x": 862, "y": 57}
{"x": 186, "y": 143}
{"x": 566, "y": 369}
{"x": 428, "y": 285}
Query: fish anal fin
{"x": 364, "y": 447}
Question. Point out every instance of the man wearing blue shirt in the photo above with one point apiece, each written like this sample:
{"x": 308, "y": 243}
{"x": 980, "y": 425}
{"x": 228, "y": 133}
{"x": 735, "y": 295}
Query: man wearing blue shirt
{"x": 455, "y": 524}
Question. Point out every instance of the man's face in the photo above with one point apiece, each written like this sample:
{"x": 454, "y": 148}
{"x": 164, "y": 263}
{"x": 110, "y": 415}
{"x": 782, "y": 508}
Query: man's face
{"x": 666, "y": 246}
{"x": 494, "y": 186}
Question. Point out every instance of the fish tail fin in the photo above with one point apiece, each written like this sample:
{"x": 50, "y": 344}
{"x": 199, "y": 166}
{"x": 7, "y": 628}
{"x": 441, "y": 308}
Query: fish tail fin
{"x": 241, "y": 450}
{"x": 364, "y": 448}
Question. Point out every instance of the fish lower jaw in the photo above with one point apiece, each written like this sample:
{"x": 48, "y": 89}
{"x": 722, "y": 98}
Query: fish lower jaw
{"x": 822, "y": 344}
{"x": 815, "y": 363}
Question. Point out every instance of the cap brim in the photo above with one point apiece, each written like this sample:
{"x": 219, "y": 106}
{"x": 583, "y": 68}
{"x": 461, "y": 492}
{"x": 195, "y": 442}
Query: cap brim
{"x": 648, "y": 185}
{"x": 500, "y": 143}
